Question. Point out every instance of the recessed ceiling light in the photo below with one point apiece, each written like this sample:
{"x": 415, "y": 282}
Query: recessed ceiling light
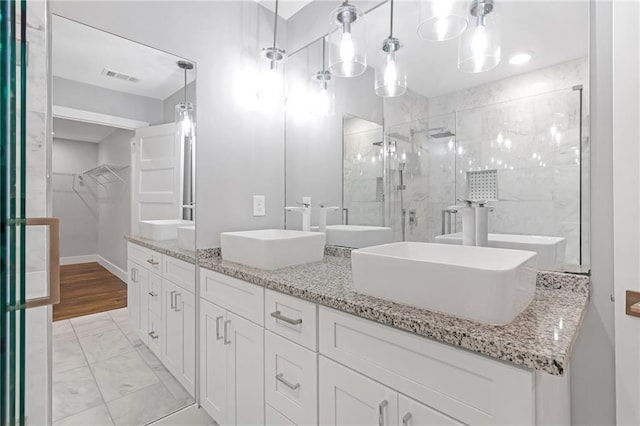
{"x": 520, "y": 58}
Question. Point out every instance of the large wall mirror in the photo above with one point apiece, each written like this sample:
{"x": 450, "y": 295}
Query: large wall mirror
{"x": 403, "y": 162}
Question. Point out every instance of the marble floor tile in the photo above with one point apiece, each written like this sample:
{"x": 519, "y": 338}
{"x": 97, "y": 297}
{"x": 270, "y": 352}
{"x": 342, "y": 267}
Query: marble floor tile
{"x": 97, "y": 416}
{"x": 74, "y": 391}
{"x": 136, "y": 409}
{"x": 67, "y": 354}
{"x": 122, "y": 375}
{"x": 131, "y": 335}
{"x": 92, "y": 324}
{"x": 62, "y": 330}
{"x": 152, "y": 361}
{"x": 120, "y": 316}
{"x": 178, "y": 392}
{"x": 105, "y": 345}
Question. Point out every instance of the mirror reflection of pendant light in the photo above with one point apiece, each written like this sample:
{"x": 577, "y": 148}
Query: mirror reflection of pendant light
{"x": 270, "y": 85}
{"x": 391, "y": 73}
{"x": 479, "y": 48}
{"x": 185, "y": 110}
{"x": 323, "y": 97}
{"x": 440, "y": 20}
{"x": 347, "y": 31}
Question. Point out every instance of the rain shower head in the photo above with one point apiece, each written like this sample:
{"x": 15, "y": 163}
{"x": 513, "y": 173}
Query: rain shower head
{"x": 401, "y": 166}
{"x": 440, "y": 132}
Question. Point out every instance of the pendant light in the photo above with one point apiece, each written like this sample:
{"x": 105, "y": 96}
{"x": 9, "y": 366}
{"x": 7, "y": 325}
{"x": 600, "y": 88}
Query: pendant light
{"x": 347, "y": 31}
{"x": 185, "y": 122}
{"x": 479, "y": 49}
{"x": 323, "y": 97}
{"x": 391, "y": 73}
{"x": 440, "y": 20}
{"x": 270, "y": 85}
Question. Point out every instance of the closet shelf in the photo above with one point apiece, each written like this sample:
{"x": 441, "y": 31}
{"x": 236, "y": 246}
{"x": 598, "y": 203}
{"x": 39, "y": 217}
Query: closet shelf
{"x": 104, "y": 174}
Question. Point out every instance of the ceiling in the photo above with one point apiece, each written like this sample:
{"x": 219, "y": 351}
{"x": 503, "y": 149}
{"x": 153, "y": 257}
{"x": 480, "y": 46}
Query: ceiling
{"x": 78, "y": 131}
{"x": 81, "y": 53}
{"x": 286, "y": 8}
{"x": 554, "y": 31}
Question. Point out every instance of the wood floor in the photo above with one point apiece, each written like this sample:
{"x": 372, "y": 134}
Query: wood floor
{"x": 88, "y": 288}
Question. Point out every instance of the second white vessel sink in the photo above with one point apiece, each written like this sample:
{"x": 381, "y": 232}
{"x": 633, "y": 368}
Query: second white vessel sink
{"x": 272, "y": 248}
{"x": 483, "y": 284}
{"x": 161, "y": 230}
{"x": 358, "y": 236}
{"x": 187, "y": 237}
{"x": 550, "y": 250}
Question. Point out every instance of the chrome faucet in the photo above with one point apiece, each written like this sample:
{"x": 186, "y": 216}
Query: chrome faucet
{"x": 324, "y": 209}
{"x": 305, "y": 210}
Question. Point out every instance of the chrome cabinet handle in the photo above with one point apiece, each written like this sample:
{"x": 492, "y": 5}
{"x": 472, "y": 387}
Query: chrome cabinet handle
{"x": 278, "y": 315}
{"x": 152, "y": 262}
{"x": 173, "y": 301}
{"x": 406, "y": 419}
{"x": 381, "y": 409}
{"x": 218, "y": 336}
{"x": 281, "y": 379}
{"x": 177, "y": 307}
{"x": 226, "y": 332}
{"x": 133, "y": 275}
{"x": 153, "y": 335}
{"x": 153, "y": 294}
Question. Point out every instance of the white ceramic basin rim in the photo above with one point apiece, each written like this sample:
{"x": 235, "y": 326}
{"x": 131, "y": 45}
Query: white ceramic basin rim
{"x": 358, "y": 236}
{"x": 163, "y": 229}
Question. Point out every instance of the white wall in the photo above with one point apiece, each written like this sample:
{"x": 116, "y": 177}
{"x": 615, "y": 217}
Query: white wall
{"x": 114, "y": 206}
{"x": 75, "y": 205}
{"x": 240, "y": 150}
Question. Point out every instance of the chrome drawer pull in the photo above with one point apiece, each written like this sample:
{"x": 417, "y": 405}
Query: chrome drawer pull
{"x": 381, "y": 408}
{"x": 177, "y": 308}
{"x": 153, "y": 335}
{"x": 406, "y": 419}
{"x": 218, "y": 336}
{"x": 226, "y": 332}
{"x": 281, "y": 379}
{"x": 153, "y": 294}
{"x": 152, "y": 262}
{"x": 278, "y": 315}
{"x": 173, "y": 301}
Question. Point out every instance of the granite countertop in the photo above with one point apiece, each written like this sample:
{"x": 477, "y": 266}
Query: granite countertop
{"x": 169, "y": 247}
{"x": 540, "y": 338}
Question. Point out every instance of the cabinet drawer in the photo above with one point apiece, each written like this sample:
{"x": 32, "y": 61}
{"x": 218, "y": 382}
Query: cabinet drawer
{"x": 467, "y": 386}
{"x": 412, "y": 413}
{"x": 154, "y": 294}
{"x": 291, "y": 379}
{"x": 179, "y": 272}
{"x": 292, "y": 318}
{"x": 274, "y": 418}
{"x": 240, "y": 297}
{"x": 152, "y": 260}
{"x": 155, "y": 334}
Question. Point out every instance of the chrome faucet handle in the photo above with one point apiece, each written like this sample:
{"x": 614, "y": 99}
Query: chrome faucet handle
{"x": 305, "y": 205}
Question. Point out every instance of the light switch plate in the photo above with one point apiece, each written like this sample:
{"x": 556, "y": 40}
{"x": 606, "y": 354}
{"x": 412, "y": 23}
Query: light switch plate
{"x": 259, "y": 206}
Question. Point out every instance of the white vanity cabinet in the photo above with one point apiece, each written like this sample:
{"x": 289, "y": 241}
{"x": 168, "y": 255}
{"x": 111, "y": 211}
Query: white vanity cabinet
{"x": 232, "y": 350}
{"x": 161, "y": 305}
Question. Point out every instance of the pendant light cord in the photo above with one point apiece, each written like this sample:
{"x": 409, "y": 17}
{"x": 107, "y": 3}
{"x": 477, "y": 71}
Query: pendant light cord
{"x": 324, "y": 47}
{"x": 391, "y": 21}
{"x": 275, "y": 27}
{"x": 185, "y": 87}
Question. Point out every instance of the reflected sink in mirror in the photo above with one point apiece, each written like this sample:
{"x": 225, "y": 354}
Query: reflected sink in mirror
{"x": 358, "y": 236}
{"x": 187, "y": 237}
{"x": 488, "y": 285}
{"x": 161, "y": 230}
{"x": 550, "y": 250}
{"x": 272, "y": 248}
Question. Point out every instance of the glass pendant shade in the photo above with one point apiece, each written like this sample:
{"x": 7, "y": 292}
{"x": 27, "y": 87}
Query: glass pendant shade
{"x": 323, "y": 100}
{"x": 440, "y": 20}
{"x": 391, "y": 71}
{"x": 185, "y": 123}
{"x": 479, "y": 48}
{"x": 270, "y": 83}
{"x": 347, "y": 32}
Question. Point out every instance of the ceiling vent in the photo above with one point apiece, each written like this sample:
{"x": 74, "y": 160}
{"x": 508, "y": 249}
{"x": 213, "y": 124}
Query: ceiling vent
{"x": 120, "y": 76}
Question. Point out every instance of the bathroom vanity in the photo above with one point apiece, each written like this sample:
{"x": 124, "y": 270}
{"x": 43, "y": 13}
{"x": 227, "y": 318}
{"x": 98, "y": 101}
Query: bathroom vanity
{"x": 298, "y": 346}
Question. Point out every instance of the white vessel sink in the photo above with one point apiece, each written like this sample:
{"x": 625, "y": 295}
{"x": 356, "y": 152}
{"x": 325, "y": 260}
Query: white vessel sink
{"x": 358, "y": 236}
{"x": 272, "y": 248}
{"x": 483, "y": 284}
{"x": 187, "y": 237}
{"x": 550, "y": 250}
{"x": 161, "y": 230}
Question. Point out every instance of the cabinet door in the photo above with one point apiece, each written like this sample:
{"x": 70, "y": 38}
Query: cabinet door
{"x": 172, "y": 327}
{"x": 133, "y": 296}
{"x": 412, "y": 413}
{"x": 245, "y": 371}
{"x": 149, "y": 280}
{"x": 138, "y": 302}
{"x": 348, "y": 398}
{"x": 185, "y": 306}
{"x": 213, "y": 362}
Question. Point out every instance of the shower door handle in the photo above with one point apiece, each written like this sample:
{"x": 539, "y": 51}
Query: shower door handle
{"x": 54, "y": 261}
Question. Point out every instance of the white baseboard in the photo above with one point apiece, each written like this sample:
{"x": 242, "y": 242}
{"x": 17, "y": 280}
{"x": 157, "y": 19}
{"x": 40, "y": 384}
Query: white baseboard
{"x": 72, "y": 260}
{"x": 120, "y": 273}
{"x": 191, "y": 415}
